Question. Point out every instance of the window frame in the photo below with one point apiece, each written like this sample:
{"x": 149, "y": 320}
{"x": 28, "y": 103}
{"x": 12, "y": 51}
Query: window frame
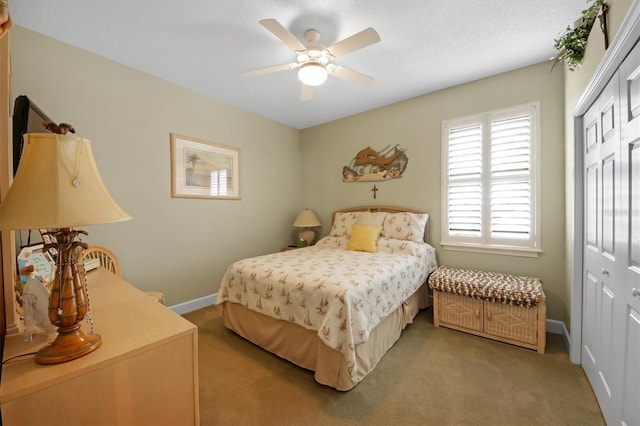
{"x": 485, "y": 243}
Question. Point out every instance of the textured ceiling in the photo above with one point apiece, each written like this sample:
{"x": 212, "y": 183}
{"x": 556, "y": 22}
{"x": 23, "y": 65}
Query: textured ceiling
{"x": 206, "y": 45}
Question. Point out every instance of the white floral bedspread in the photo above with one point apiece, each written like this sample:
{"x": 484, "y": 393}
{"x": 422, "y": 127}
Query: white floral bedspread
{"x": 339, "y": 293}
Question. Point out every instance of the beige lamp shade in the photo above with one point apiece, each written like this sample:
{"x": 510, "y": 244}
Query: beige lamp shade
{"x": 306, "y": 219}
{"x": 57, "y": 185}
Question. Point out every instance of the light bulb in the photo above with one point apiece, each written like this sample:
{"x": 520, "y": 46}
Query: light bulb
{"x": 312, "y": 74}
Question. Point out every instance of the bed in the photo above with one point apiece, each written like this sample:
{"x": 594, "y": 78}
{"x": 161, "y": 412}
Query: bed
{"x": 336, "y": 307}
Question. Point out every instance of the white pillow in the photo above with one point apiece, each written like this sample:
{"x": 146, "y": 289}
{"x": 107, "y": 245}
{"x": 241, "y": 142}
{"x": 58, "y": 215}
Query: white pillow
{"x": 405, "y": 226}
{"x": 342, "y": 223}
{"x": 333, "y": 242}
{"x": 371, "y": 219}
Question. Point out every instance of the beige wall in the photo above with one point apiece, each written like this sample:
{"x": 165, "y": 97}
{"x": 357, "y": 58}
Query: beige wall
{"x": 179, "y": 246}
{"x": 575, "y": 84}
{"x": 415, "y": 125}
{"x": 182, "y": 247}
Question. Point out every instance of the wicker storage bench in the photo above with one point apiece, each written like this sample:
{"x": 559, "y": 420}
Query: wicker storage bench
{"x": 507, "y": 308}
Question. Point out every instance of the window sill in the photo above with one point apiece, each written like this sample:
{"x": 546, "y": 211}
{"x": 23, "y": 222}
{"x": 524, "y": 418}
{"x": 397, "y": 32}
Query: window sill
{"x": 501, "y": 250}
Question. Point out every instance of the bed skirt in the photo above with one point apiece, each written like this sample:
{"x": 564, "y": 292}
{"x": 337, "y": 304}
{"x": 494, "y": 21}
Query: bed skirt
{"x": 304, "y": 348}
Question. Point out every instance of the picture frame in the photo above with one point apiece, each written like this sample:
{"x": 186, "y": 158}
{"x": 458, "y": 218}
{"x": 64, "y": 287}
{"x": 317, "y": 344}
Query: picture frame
{"x": 203, "y": 169}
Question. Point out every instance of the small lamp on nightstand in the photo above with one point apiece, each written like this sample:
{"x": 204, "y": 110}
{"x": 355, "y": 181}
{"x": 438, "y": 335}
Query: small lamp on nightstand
{"x": 306, "y": 220}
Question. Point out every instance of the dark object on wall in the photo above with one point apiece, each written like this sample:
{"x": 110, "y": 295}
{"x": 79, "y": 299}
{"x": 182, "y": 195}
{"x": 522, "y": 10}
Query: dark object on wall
{"x": 27, "y": 118}
{"x": 603, "y": 24}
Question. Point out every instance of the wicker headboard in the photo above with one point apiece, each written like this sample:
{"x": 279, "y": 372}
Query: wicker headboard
{"x": 387, "y": 209}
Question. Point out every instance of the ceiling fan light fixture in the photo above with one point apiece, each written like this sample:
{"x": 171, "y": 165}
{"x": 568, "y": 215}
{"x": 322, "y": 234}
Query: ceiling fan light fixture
{"x": 312, "y": 74}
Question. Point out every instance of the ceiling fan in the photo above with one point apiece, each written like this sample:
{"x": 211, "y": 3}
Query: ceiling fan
{"x": 314, "y": 61}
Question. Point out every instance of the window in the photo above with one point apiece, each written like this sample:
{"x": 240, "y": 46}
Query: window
{"x": 219, "y": 182}
{"x": 490, "y": 191}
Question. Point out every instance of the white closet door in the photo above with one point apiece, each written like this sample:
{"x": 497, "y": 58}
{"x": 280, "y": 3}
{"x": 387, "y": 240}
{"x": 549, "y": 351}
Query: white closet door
{"x": 629, "y": 346}
{"x": 611, "y": 277}
{"x": 601, "y": 281}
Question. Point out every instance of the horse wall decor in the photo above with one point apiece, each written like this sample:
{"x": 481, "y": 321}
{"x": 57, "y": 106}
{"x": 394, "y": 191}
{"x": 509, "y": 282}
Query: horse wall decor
{"x": 370, "y": 165}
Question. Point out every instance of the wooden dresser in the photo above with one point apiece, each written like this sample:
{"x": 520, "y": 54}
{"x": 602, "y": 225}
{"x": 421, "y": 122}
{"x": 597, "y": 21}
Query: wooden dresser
{"x": 145, "y": 372}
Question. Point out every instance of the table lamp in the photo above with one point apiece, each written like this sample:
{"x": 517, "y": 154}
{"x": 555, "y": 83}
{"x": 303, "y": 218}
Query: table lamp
{"x": 57, "y": 186}
{"x": 306, "y": 220}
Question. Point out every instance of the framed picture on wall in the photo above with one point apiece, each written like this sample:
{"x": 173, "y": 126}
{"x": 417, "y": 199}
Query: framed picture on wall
{"x": 202, "y": 169}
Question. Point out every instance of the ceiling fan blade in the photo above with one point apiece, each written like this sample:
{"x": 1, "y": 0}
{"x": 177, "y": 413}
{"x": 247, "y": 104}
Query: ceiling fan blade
{"x": 306, "y": 93}
{"x": 357, "y": 41}
{"x": 282, "y": 33}
{"x": 268, "y": 70}
{"x": 352, "y": 76}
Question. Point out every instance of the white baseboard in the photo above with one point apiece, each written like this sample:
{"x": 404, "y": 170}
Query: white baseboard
{"x": 558, "y": 327}
{"x": 555, "y": 326}
{"x": 194, "y": 305}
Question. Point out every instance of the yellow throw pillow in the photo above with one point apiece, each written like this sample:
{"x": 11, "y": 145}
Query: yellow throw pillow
{"x": 364, "y": 238}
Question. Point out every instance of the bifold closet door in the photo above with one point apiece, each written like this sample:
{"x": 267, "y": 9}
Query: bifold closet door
{"x": 601, "y": 137}
{"x": 611, "y": 277}
{"x": 629, "y": 74}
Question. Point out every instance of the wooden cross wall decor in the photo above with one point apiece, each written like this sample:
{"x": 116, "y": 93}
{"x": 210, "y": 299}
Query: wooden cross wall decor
{"x": 375, "y": 191}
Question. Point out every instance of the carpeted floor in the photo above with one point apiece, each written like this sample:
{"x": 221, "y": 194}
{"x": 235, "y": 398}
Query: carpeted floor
{"x": 431, "y": 376}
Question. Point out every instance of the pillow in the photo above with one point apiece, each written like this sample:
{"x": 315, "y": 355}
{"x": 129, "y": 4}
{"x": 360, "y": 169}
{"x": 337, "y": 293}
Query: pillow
{"x": 333, "y": 242}
{"x": 364, "y": 238}
{"x": 394, "y": 245}
{"x": 371, "y": 219}
{"x": 342, "y": 223}
{"x": 405, "y": 226}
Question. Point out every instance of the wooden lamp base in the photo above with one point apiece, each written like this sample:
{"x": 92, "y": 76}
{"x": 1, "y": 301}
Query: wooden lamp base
{"x": 70, "y": 344}
{"x": 68, "y": 302}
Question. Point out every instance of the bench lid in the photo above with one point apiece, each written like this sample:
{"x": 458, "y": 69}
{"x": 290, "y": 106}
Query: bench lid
{"x": 493, "y": 286}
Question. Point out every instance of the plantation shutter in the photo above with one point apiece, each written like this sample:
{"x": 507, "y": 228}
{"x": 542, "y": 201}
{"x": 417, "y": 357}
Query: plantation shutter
{"x": 511, "y": 178}
{"x": 490, "y": 188}
{"x": 465, "y": 181}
